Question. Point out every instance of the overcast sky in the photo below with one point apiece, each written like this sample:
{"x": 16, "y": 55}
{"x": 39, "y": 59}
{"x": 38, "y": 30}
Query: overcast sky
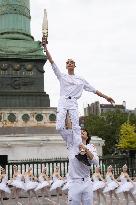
{"x": 100, "y": 35}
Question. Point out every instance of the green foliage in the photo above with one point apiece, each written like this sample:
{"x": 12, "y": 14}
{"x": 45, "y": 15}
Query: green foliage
{"x": 107, "y": 126}
{"x": 127, "y": 138}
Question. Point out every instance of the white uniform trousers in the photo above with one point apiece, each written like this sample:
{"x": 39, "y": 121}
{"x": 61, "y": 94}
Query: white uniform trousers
{"x": 60, "y": 124}
{"x": 80, "y": 191}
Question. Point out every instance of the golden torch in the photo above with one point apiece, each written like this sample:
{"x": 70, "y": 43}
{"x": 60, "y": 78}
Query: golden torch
{"x": 45, "y": 29}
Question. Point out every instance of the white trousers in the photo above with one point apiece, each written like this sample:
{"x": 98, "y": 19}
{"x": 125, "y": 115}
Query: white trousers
{"x": 60, "y": 124}
{"x": 80, "y": 191}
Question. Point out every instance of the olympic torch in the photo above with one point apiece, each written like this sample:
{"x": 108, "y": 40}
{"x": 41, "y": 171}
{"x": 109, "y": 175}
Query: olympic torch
{"x": 45, "y": 29}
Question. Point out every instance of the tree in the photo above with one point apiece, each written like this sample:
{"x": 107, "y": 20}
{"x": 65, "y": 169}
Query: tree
{"x": 107, "y": 126}
{"x": 127, "y": 138}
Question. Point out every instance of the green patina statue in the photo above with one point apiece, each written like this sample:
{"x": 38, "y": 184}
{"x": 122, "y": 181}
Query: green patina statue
{"x": 15, "y": 36}
{"x": 21, "y": 58}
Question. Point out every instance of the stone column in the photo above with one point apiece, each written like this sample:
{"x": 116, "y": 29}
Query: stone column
{"x": 15, "y": 19}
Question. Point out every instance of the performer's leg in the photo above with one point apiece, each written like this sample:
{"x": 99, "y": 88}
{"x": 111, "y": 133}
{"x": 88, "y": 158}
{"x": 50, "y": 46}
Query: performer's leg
{"x": 74, "y": 194}
{"x": 126, "y": 197}
{"x": 67, "y": 132}
{"x": 75, "y": 126}
{"x": 61, "y": 116}
{"x": 29, "y": 197}
{"x": 48, "y": 194}
{"x": 132, "y": 196}
{"x": 110, "y": 202}
{"x": 87, "y": 196}
{"x": 17, "y": 194}
{"x": 98, "y": 196}
{"x": 103, "y": 196}
{"x": 2, "y": 196}
{"x": 116, "y": 196}
{"x": 35, "y": 195}
{"x": 58, "y": 195}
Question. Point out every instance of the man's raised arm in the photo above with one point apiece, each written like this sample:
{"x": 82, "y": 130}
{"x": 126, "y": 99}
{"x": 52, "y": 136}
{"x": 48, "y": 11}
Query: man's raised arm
{"x": 49, "y": 57}
{"x": 48, "y": 54}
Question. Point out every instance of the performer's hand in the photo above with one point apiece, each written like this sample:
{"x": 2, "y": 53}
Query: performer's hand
{"x": 82, "y": 148}
{"x": 109, "y": 99}
{"x": 68, "y": 123}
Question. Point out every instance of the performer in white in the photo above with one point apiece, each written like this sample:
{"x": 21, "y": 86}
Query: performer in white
{"x": 98, "y": 185}
{"x": 30, "y": 184}
{"x": 58, "y": 182}
{"x": 111, "y": 185}
{"x": 3, "y": 185}
{"x": 126, "y": 185}
{"x": 44, "y": 184}
{"x": 71, "y": 88}
{"x": 17, "y": 182}
{"x": 133, "y": 190}
{"x": 79, "y": 181}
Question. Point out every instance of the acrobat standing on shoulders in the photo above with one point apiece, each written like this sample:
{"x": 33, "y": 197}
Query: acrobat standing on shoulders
{"x": 71, "y": 88}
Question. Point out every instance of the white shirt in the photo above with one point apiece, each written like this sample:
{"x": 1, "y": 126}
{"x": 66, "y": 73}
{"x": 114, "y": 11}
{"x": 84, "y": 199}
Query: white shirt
{"x": 71, "y": 85}
{"x": 76, "y": 168}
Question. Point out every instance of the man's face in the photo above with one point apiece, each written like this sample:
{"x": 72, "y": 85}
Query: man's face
{"x": 109, "y": 169}
{"x": 15, "y": 167}
{"x": 84, "y": 135}
{"x": 70, "y": 65}
{"x": 57, "y": 169}
{"x": 124, "y": 169}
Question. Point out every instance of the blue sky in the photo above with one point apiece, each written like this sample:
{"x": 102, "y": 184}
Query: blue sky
{"x": 101, "y": 36}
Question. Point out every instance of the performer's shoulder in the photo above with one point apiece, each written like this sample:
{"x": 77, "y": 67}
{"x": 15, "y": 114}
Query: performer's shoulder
{"x": 79, "y": 77}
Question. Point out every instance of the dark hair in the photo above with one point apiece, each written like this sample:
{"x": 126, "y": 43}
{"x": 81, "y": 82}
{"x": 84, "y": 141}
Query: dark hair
{"x": 88, "y": 135}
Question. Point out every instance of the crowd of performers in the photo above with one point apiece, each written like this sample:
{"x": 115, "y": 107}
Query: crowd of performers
{"x": 106, "y": 189}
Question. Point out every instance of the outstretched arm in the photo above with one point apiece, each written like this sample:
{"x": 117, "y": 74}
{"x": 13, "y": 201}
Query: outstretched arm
{"x": 109, "y": 99}
{"x": 89, "y": 88}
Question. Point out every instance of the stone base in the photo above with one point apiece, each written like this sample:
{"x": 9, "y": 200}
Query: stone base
{"x": 22, "y": 147}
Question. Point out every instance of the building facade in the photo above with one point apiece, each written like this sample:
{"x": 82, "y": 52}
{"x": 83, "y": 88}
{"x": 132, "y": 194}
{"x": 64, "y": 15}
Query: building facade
{"x": 97, "y": 109}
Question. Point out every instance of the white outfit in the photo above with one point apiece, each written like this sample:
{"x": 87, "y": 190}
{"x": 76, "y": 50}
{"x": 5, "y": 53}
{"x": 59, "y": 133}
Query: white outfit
{"x": 66, "y": 184}
{"x": 97, "y": 184}
{"x": 3, "y": 184}
{"x": 56, "y": 183}
{"x": 110, "y": 184}
{"x": 133, "y": 190}
{"x": 71, "y": 88}
{"x": 29, "y": 184}
{"x": 18, "y": 183}
{"x": 124, "y": 185}
{"x": 79, "y": 182}
{"x": 42, "y": 183}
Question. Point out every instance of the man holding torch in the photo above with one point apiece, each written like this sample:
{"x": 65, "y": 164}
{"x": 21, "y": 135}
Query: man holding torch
{"x": 71, "y": 88}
